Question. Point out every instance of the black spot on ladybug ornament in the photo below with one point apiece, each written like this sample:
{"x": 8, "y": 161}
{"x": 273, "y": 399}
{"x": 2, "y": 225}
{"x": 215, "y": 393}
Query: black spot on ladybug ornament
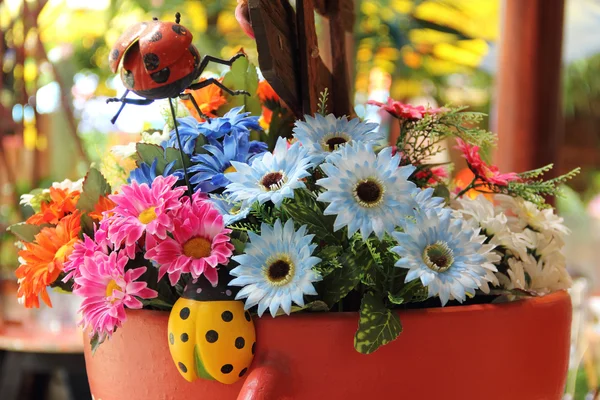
{"x": 210, "y": 334}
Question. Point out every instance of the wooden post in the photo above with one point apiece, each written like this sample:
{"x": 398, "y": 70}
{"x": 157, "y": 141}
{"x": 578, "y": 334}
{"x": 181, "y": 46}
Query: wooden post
{"x": 529, "y": 109}
{"x": 289, "y": 55}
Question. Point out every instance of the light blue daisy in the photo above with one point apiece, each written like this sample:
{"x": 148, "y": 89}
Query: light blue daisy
{"x": 323, "y": 135}
{"x": 367, "y": 191}
{"x": 231, "y": 211}
{"x": 426, "y": 201}
{"x": 276, "y": 268}
{"x": 209, "y": 171}
{"x": 271, "y": 177}
{"x": 447, "y": 256}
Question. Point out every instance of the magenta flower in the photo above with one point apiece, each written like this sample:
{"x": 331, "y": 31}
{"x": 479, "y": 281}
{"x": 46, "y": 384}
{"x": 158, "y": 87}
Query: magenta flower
{"x": 87, "y": 248}
{"x": 107, "y": 289}
{"x": 200, "y": 242}
{"x": 140, "y": 209}
{"x": 405, "y": 111}
{"x": 487, "y": 173}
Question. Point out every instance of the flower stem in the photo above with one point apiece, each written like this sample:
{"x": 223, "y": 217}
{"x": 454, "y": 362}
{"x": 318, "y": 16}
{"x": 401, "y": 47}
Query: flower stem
{"x": 465, "y": 190}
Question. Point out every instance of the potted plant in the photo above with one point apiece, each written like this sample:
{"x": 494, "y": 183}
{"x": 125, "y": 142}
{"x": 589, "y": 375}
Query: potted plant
{"x": 263, "y": 260}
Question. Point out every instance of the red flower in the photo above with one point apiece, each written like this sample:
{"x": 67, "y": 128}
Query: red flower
{"x": 432, "y": 175}
{"x": 405, "y": 111}
{"x": 487, "y": 173}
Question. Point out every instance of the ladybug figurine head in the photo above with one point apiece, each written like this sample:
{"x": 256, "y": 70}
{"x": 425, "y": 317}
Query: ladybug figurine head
{"x": 159, "y": 60}
{"x": 211, "y": 336}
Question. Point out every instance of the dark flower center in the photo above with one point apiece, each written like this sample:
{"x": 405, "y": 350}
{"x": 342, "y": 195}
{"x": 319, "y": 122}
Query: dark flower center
{"x": 279, "y": 270}
{"x": 438, "y": 256}
{"x": 369, "y": 192}
{"x": 335, "y": 141}
{"x": 272, "y": 180}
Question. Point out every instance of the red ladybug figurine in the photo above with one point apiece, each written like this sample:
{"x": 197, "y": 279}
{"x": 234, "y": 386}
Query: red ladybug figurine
{"x": 159, "y": 62}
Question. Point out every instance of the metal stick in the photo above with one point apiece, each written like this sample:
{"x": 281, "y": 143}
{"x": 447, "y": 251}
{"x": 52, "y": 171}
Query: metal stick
{"x": 185, "y": 173}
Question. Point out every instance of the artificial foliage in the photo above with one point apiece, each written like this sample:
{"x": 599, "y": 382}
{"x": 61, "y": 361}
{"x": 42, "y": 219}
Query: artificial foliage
{"x": 314, "y": 215}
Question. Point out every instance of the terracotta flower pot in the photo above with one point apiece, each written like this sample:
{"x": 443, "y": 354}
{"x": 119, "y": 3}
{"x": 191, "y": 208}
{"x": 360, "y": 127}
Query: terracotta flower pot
{"x": 513, "y": 351}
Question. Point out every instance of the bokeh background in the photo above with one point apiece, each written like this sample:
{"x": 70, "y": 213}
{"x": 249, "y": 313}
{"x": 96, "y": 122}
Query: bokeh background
{"x": 55, "y": 79}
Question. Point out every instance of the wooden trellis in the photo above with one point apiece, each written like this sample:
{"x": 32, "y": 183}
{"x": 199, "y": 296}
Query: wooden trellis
{"x": 289, "y": 55}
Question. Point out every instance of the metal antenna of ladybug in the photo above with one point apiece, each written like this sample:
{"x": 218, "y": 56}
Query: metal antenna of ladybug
{"x": 160, "y": 62}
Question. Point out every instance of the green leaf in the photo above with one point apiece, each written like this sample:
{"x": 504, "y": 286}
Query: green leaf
{"x": 87, "y": 225}
{"x": 305, "y": 211}
{"x": 173, "y": 154}
{"x": 157, "y": 303}
{"x": 317, "y": 306}
{"x": 94, "y": 186}
{"x": 243, "y": 76}
{"x": 342, "y": 280}
{"x": 96, "y": 341}
{"x": 147, "y": 153}
{"x": 395, "y": 299}
{"x": 377, "y": 325}
{"x": 25, "y": 232}
{"x": 239, "y": 245}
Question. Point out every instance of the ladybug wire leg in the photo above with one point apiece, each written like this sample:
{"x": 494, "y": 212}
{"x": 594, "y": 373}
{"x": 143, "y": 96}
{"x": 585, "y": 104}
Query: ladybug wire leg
{"x": 213, "y": 81}
{"x": 185, "y": 173}
{"x": 188, "y": 96}
{"x": 123, "y": 100}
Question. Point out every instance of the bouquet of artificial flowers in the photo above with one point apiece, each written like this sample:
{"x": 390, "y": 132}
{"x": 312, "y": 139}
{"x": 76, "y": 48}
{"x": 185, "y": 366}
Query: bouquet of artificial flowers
{"x": 323, "y": 216}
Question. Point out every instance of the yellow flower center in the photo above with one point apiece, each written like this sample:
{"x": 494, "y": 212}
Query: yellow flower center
{"x": 148, "y": 215}
{"x": 230, "y": 169}
{"x": 279, "y": 270}
{"x": 111, "y": 287}
{"x": 61, "y": 253}
{"x": 197, "y": 247}
{"x": 333, "y": 140}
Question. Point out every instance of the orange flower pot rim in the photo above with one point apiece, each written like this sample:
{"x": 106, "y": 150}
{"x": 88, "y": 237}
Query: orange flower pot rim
{"x": 550, "y": 298}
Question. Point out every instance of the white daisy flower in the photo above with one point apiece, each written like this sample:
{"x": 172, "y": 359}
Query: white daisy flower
{"x": 447, "y": 256}
{"x": 276, "y": 268}
{"x": 69, "y": 185}
{"x": 536, "y": 275}
{"x": 522, "y": 213}
{"x": 124, "y": 151}
{"x": 271, "y": 177}
{"x": 324, "y": 135}
{"x": 480, "y": 213}
{"x": 367, "y": 191}
{"x": 157, "y": 137}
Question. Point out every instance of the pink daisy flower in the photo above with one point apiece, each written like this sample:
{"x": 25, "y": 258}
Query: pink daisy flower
{"x": 87, "y": 248}
{"x": 107, "y": 289}
{"x": 487, "y": 173}
{"x": 432, "y": 175}
{"x": 140, "y": 209}
{"x": 200, "y": 242}
{"x": 405, "y": 111}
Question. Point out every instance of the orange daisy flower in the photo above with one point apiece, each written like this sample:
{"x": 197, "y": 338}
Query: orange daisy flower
{"x": 266, "y": 93}
{"x": 103, "y": 204}
{"x": 62, "y": 202}
{"x": 209, "y": 99}
{"x": 43, "y": 260}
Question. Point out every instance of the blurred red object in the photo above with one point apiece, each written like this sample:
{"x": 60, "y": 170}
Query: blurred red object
{"x": 242, "y": 14}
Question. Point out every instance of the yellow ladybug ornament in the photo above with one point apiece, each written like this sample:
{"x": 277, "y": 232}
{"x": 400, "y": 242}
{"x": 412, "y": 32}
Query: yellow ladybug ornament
{"x": 210, "y": 334}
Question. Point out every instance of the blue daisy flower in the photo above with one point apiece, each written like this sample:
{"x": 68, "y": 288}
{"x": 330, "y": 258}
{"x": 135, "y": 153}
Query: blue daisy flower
{"x": 323, "y": 135}
{"x": 232, "y": 122}
{"x": 426, "y": 201}
{"x": 147, "y": 173}
{"x": 447, "y": 256}
{"x": 276, "y": 268}
{"x": 209, "y": 171}
{"x": 270, "y": 177}
{"x": 231, "y": 211}
{"x": 367, "y": 191}
{"x": 188, "y": 132}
